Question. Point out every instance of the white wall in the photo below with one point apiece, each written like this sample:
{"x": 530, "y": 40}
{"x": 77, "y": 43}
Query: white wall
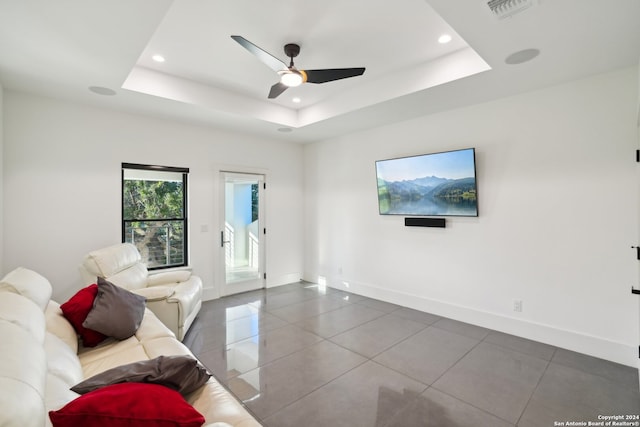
{"x": 558, "y": 202}
{"x": 62, "y": 186}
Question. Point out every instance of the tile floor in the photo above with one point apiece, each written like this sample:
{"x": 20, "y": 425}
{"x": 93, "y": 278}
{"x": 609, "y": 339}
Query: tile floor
{"x": 298, "y": 355}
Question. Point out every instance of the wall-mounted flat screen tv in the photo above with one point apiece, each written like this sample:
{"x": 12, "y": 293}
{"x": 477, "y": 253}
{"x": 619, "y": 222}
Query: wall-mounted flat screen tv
{"x": 437, "y": 184}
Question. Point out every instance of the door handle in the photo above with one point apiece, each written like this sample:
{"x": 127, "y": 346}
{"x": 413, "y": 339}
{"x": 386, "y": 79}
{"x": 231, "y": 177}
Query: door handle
{"x": 222, "y": 241}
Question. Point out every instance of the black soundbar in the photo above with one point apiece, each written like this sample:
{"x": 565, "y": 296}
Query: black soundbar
{"x": 425, "y": 222}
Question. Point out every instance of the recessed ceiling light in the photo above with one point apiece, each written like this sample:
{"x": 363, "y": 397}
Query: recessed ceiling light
{"x": 445, "y": 38}
{"x": 102, "y": 90}
{"x": 522, "y": 56}
{"x": 158, "y": 58}
{"x": 296, "y": 100}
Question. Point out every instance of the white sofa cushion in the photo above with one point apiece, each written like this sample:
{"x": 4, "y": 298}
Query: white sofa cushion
{"x": 111, "y": 260}
{"x": 29, "y": 284}
{"x": 24, "y": 313}
{"x": 57, "y": 394}
{"x": 23, "y": 373}
{"x": 121, "y": 264}
{"x": 155, "y": 293}
{"x": 134, "y": 277}
{"x": 62, "y": 361}
{"x": 112, "y": 353}
{"x": 59, "y": 326}
{"x": 167, "y": 277}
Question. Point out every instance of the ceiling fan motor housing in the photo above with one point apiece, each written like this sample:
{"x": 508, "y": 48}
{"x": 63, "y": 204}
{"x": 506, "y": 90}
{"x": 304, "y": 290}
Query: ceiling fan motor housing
{"x": 291, "y": 50}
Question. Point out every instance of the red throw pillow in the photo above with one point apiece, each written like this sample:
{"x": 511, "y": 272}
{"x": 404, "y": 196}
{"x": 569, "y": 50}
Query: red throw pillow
{"x": 76, "y": 310}
{"x": 128, "y": 405}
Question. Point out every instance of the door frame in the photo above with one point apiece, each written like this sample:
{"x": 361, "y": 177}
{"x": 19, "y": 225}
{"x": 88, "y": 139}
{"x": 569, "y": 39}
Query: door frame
{"x": 240, "y": 287}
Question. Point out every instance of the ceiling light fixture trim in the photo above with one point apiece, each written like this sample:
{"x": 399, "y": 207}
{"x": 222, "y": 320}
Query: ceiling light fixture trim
{"x": 102, "y": 90}
{"x": 522, "y": 56}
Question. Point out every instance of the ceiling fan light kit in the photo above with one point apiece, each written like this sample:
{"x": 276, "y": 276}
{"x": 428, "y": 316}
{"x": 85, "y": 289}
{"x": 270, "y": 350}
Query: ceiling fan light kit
{"x": 290, "y": 76}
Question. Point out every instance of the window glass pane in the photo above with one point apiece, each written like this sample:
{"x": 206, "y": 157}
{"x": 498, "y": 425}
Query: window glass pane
{"x": 161, "y": 243}
{"x": 152, "y": 199}
{"x": 154, "y": 220}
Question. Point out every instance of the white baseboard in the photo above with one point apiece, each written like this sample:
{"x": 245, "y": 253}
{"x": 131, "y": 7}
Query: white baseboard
{"x": 283, "y": 279}
{"x": 571, "y": 340}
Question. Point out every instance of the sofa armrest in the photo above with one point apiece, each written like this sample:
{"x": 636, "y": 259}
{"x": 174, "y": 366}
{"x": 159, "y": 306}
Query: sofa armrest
{"x": 168, "y": 277}
{"x": 156, "y": 293}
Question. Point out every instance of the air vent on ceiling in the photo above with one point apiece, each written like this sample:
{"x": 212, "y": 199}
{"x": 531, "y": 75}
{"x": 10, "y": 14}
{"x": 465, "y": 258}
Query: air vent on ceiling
{"x": 507, "y": 8}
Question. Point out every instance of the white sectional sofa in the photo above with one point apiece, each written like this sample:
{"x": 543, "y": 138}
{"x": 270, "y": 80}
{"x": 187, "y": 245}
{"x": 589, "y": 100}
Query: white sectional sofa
{"x": 41, "y": 358}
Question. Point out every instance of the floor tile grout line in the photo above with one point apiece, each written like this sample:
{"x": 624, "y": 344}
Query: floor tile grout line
{"x": 341, "y": 332}
{"x": 468, "y": 403}
{"x": 520, "y": 351}
{"x": 403, "y": 374}
{"x": 373, "y": 320}
{"x": 380, "y": 352}
{"x": 316, "y": 389}
{"x": 275, "y": 360}
{"x": 458, "y": 361}
{"x": 454, "y": 332}
{"x": 289, "y": 354}
{"x": 524, "y": 409}
{"x": 348, "y": 371}
{"x": 279, "y": 358}
{"x": 307, "y": 317}
{"x": 245, "y": 338}
{"x": 258, "y": 335}
{"x": 631, "y": 388}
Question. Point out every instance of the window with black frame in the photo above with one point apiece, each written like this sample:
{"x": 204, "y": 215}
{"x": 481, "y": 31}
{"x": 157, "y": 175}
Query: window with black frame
{"x": 154, "y": 213}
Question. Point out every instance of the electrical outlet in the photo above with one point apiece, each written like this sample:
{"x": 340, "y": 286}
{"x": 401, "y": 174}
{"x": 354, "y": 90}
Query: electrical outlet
{"x": 517, "y": 305}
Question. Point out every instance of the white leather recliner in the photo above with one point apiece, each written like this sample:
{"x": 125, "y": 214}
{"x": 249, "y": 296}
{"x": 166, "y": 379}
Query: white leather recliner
{"x": 175, "y": 297}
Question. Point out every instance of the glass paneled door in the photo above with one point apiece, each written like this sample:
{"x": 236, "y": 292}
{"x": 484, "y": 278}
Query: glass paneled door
{"x": 242, "y": 232}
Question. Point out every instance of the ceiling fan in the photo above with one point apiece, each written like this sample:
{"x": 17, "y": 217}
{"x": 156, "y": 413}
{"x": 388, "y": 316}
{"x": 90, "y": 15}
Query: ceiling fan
{"x": 290, "y": 76}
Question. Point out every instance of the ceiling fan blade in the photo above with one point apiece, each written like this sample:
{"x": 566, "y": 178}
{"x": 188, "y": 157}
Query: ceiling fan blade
{"x": 277, "y": 89}
{"x": 331, "y": 74}
{"x": 272, "y": 62}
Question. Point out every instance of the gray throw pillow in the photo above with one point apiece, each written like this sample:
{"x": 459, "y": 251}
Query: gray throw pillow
{"x": 181, "y": 373}
{"x": 116, "y": 312}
